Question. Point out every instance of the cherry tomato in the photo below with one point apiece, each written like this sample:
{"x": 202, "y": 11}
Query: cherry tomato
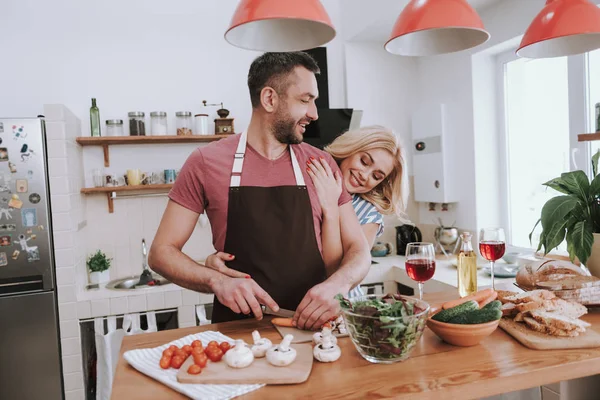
{"x": 225, "y": 346}
{"x": 187, "y": 348}
{"x": 194, "y": 369}
{"x": 177, "y": 361}
{"x": 196, "y": 343}
{"x": 200, "y": 359}
{"x": 213, "y": 343}
{"x": 173, "y": 348}
{"x": 197, "y": 350}
{"x": 180, "y": 353}
{"x": 168, "y": 353}
{"x": 165, "y": 362}
{"x": 215, "y": 354}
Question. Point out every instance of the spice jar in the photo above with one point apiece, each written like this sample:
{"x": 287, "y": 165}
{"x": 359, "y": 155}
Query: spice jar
{"x": 114, "y": 127}
{"x": 201, "y": 124}
{"x": 137, "y": 125}
{"x": 184, "y": 123}
{"x": 158, "y": 122}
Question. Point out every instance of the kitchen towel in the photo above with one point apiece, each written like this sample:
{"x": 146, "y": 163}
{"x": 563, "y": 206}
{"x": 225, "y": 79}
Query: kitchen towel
{"x": 146, "y": 361}
{"x": 107, "y": 350}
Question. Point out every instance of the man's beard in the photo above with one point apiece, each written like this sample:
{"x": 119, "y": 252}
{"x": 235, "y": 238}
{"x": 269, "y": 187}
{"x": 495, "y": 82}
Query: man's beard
{"x": 284, "y": 130}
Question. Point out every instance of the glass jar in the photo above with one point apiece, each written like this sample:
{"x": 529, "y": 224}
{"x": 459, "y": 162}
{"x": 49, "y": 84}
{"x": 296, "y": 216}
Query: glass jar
{"x": 114, "y": 127}
{"x": 137, "y": 124}
{"x": 158, "y": 122}
{"x": 201, "y": 124}
{"x": 184, "y": 123}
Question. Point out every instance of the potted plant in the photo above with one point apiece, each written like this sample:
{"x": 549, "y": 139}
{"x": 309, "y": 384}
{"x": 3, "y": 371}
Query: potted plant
{"x": 98, "y": 265}
{"x": 574, "y": 216}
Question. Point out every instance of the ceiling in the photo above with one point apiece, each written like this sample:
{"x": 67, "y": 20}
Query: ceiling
{"x": 374, "y": 24}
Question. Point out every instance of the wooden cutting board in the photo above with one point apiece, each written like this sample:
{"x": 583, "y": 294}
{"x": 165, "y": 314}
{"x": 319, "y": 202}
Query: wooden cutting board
{"x": 302, "y": 336}
{"x": 539, "y": 341}
{"x": 259, "y": 372}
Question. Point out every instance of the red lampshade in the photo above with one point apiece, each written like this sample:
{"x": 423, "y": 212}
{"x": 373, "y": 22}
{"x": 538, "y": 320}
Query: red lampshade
{"x": 562, "y": 28}
{"x": 280, "y": 25}
{"x": 431, "y": 27}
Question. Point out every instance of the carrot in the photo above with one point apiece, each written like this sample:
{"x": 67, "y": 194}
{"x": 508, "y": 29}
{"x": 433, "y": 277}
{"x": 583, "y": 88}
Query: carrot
{"x": 477, "y": 296}
{"x": 286, "y": 322}
{"x": 488, "y": 300}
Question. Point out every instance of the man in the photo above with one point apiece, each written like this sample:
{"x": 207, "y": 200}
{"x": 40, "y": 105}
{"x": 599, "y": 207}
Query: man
{"x": 263, "y": 208}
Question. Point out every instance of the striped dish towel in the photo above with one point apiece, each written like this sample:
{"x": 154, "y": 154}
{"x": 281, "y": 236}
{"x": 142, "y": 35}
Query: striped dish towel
{"x": 146, "y": 361}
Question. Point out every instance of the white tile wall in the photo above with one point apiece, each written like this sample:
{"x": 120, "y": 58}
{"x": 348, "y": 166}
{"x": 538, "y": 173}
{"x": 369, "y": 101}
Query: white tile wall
{"x": 187, "y": 315}
{"x": 190, "y": 298}
{"x": 66, "y": 294}
{"x": 84, "y": 309}
{"x": 62, "y": 222}
{"x": 69, "y": 329}
{"x": 64, "y": 258}
{"x": 59, "y": 185}
{"x": 155, "y": 301}
{"x": 75, "y": 395}
{"x": 57, "y": 166}
{"x": 137, "y": 303}
{"x": 57, "y": 149}
{"x": 70, "y": 347}
{"x": 100, "y": 308}
{"x": 60, "y": 203}
{"x": 118, "y": 305}
{"x": 67, "y": 311}
{"x": 73, "y": 381}
{"x": 72, "y": 364}
{"x": 63, "y": 240}
{"x": 65, "y": 276}
{"x": 173, "y": 299}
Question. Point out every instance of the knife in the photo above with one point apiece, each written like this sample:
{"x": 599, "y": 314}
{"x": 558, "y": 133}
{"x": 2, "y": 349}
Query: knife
{"x": 281, "y": 313}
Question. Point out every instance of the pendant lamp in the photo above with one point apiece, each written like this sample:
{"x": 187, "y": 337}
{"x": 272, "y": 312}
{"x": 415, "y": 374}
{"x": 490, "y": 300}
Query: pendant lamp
{"x": 562, "y": 28}
{"x": 432, "y": 27}
{"x": 280, "y": 25}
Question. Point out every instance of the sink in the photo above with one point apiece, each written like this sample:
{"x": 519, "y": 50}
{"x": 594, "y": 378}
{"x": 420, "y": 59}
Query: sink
{"x": 131, "y": 283}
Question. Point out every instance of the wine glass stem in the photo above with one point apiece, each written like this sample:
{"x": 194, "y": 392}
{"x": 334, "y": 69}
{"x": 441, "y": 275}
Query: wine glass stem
{"x": 492, "y": 274}
{"x": 420, "y": 290}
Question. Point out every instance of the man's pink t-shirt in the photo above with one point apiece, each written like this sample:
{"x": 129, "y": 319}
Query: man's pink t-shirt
{"x": 203, "y": 183}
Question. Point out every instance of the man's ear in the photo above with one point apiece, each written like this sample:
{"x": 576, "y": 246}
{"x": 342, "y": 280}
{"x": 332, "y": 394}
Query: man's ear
{"x": 269, "y": 99}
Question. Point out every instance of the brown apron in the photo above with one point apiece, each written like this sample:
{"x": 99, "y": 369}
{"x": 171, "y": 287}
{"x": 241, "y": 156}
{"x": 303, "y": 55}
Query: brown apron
{"x": 271, "y": 233}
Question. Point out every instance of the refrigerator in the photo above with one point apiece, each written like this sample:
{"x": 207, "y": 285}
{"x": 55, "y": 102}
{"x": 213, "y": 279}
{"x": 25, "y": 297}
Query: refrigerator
{"x": 29, "y": 330}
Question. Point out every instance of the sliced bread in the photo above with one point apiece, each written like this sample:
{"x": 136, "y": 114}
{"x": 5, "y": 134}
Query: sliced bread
{"x": 538, "y": 327}
{"x": 558, "y": 321}
{"x": 534, "y": 295}
{"x": 573, "y": 282}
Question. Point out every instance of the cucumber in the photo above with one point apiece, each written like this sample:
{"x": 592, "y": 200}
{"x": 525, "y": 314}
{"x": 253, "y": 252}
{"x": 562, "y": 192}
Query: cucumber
{"x": 447, "y": 315}
{"x": 494, "y": 304}
{"x": 478, "y": 316}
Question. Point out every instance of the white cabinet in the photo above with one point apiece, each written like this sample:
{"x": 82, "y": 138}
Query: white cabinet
{"x": 432, "y": 150}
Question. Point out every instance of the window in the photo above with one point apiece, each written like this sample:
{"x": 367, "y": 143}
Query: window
{"x": 594, "y": 93}
{"x": 536, "y": 118}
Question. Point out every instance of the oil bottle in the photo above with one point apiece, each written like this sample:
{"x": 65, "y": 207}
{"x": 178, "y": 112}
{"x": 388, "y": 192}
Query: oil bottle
{"x": 466, "y": 266}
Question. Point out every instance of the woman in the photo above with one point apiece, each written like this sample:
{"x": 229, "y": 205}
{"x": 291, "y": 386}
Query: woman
{"x": 373, "y": 171}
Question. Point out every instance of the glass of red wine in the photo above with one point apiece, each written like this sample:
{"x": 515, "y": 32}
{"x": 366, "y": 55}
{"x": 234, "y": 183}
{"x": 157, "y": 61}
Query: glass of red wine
{"x": 420, "y": 263}
{"x": 492, "y": 245}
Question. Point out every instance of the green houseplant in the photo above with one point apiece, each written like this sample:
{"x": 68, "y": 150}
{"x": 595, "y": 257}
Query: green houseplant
{"x": 575, "y": 215}
{"x": 98, "y": 265}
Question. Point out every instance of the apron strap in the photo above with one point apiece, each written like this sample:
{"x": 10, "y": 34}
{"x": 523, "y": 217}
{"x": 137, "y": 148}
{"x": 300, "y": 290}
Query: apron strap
{"x": 238, "y": 163}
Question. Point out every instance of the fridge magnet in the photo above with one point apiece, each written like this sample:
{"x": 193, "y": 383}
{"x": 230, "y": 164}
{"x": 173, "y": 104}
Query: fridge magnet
{"x": 34, "y": 198}
{"x": 29, "y": 217}
{"x": 8, "y": 227}
{"x": 19, "y": 132}
{"x": 26, "y": 153}
{"x": 1, "y": 128}
{"x": 23, "y": 242}
{"x": 29, "y": 174}
{"x": 22, "y": 185}
{"x": 3, "y": 154}
{"x": 29, "y": 231}
{"x": 3, "y": 260}
{"x": 15, "y": 202}
{"x": 0, "y": 132}
{"x": 5, "y": 212}
{"x": 5, "y": 188}
{"x": 12, "y": 167}
{"x": 5, "y": 240}
{"x": 15, "y": 254}
{"x": 33, "y": 254}
{"x": 40, "y": 227}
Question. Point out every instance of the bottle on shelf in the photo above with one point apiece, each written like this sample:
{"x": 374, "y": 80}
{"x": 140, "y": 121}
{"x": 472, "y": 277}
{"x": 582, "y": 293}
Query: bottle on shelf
{"x": 94, "y": 118}
{"x": 466, "y": 265}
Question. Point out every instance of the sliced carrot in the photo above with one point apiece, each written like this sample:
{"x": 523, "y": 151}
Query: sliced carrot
{"x": 286, "y": 322}
{"x": 488, "y": 300}
{"x": 477, "y": 296}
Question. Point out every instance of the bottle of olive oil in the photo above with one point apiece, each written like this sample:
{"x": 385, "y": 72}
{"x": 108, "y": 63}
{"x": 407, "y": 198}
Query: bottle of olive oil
{"x": 467, "y": 267}
{"x": 94, "y": 119}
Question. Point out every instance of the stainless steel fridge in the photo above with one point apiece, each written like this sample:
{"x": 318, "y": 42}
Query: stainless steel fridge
{"x": 29, "y": 332}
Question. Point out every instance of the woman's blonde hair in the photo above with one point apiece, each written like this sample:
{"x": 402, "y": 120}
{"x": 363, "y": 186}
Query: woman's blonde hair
{"x": 391, "y": 194}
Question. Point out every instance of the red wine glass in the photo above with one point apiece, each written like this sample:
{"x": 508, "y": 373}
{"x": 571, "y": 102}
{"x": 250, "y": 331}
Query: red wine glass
{"x": 420, "y": 263}
{"x": 492, "y": 245}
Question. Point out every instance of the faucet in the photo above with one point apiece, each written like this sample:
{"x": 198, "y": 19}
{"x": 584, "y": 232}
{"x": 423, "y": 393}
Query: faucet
{"x": 146, "y": 276}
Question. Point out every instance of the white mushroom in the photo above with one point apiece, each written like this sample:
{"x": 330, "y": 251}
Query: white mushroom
{"x": 327, "y": 351}
{"x": 282, "y": 355}
{"x": 240, "y": 356}
{"x": 341, "y": 325}
{"x": 318, "y": 336}
{"x": 260, "y": 346}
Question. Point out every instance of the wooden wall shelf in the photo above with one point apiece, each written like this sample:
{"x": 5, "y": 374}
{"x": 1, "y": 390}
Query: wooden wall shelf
{"x": 110, "y": 191}
{"x": 106, "y": 141}
{"x": 588, "y": 137}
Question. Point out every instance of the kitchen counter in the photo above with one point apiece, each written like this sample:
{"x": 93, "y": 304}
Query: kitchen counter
{"x": 435, "y": 370}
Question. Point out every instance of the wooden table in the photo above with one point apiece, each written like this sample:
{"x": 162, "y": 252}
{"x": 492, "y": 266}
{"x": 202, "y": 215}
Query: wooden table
{"x": 435, "y": 370}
